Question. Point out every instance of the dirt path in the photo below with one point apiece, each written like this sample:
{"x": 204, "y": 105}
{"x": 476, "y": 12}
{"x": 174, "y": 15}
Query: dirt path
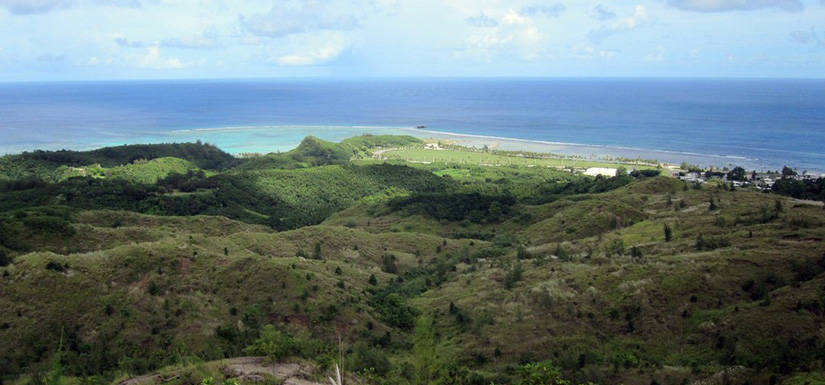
{"x": 378, "y": 153}
{"x": 246, "y": 369}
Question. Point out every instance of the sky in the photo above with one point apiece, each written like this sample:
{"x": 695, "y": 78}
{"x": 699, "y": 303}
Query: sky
{"x": 56, "y": 40}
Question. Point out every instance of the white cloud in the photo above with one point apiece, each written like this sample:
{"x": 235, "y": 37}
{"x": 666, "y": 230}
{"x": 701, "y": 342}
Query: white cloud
{"x": 554, "y": 10}
{"x": 587, "y": 51}
{"x": 657, "y": 57}
{"x": 805, "y": 37}
{"x": 311, "y": 51}
{"x": 51, "y": 58}
{"x": 481, "y": 20}
{"x": 639, "y": 18}
{"x": 33, "y": 7}
{"x": 206, "y": 40}
{"x": 153, "y": 60}
{"x": 30, "y": 7}
{"x": 603, "y": 13}
{"x": 735, "y": 5}
{"x": 800, "y": 36}
{"x": 192, "y": 42}
{"x": 126, "y": 43}
{"x": 515, "y": 35}
{"x": 316, "y": 56}
{"x": 693, "y": 55}
{"x": 295, "y": 17}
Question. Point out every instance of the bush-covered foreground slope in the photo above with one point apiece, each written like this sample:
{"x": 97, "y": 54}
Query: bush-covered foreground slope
{"x": 438, "y": 273}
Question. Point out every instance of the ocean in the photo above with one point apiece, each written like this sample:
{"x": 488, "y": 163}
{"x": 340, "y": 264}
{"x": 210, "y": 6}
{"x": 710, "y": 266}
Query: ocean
{"x": 757, "y": 123}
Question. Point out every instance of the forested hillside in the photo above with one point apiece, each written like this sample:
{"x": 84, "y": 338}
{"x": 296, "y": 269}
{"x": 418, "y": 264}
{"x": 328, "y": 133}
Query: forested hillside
{"x": 158, "y": 258}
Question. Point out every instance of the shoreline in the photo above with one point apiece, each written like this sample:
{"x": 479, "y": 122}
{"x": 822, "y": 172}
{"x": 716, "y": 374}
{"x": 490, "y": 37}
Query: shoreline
{"x": 280, "y": 138}
{"x": 593, "y": 151}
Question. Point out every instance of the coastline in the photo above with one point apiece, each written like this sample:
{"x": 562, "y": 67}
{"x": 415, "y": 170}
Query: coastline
{"x": 287, "y": 141}
{"x": 281, "y": 138}
{"x": 590, "y": 151}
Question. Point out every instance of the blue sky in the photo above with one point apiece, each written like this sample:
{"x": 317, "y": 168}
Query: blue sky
{"x": 160, "y": 39}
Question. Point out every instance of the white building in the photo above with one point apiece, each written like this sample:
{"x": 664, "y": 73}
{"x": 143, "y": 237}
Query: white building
{"x": 595, "y": 171}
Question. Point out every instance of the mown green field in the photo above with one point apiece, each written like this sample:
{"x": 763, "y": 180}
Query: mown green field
{"x": 491, "y": 160}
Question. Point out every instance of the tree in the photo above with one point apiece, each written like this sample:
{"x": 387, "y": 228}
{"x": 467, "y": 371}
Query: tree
{"x": 316, "y": 252}
{"x": 787, "y": 172}
{"x": 738, "y": 173}
{"x": 373, "y": 281}
{"x": 668, "y": 233}
{"x": 700, "y": 242}
{"x": 424, "y": 357}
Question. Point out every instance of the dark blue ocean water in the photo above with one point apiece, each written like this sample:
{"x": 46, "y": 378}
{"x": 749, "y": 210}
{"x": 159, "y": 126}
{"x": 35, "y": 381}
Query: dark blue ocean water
{"x": 762, "y": 122}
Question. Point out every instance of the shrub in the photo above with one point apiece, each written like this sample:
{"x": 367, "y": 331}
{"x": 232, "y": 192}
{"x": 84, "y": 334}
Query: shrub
{"x": 513, "y": 275}
{"x": 540, "y": 373}
{"x": 49, "y": 225}
{"x": 153, "y": 287}
{"x": 521, "y": 253}
{"x": 56, "y": 266}
{"x": 273, "y": 344}
{"x": 394, "y": 310}
{"x": 5, "y": 260}
{"x": 388, "y": 263}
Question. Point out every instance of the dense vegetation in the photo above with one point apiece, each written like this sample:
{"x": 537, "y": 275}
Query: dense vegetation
{"x": 802, "y": 189}
{"x": 118, "y": 262}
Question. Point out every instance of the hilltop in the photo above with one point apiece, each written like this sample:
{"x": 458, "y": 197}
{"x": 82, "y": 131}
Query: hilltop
{"x": 152, "y": 259}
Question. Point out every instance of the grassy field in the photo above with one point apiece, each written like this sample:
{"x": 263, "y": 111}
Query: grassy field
{"x": 491, "y": 160}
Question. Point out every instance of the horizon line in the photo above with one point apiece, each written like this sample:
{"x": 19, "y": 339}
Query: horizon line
{"x": 404, "y": 77}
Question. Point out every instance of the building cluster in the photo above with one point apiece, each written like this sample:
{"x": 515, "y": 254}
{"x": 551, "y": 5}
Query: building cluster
{"x": 763, "y": 180}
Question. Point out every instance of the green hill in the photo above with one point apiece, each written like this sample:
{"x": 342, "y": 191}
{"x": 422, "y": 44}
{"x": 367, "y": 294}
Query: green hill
{"x": 313, "y": 152}
{"x": 527, "y": 274}
{"x": 46, "y": 165}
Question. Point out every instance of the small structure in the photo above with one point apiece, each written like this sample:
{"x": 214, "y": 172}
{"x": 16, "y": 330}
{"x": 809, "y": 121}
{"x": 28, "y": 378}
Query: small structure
{"x": 596, "y": 171}
{"x": 432, "y": 146}
{"x": 693, "y": 177}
